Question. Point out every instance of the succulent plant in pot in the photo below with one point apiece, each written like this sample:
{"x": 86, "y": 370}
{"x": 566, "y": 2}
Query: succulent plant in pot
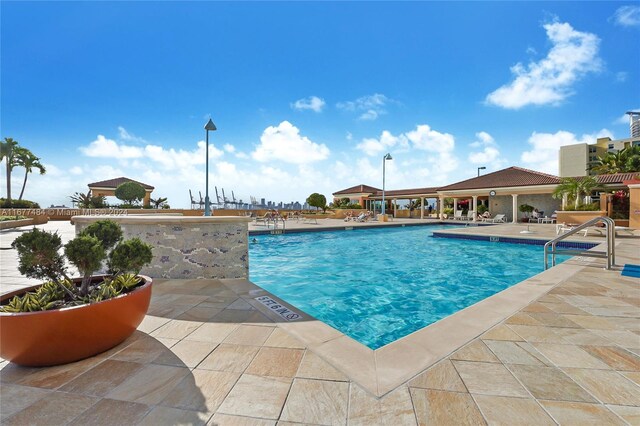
{"x": 66, "y": 319}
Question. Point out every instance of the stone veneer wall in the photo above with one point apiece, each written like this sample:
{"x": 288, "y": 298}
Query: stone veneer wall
{"x": 189, "y": 249}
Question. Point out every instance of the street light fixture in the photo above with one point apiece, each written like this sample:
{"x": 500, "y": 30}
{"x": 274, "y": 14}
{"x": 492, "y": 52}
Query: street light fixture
{"x": 207, "y": 204}
{"x": 481, "y": 168}
{"x": 384, "y": 162}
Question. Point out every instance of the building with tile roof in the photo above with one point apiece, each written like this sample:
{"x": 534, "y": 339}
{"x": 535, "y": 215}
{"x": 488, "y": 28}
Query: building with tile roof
{"x": 108, "y": 188}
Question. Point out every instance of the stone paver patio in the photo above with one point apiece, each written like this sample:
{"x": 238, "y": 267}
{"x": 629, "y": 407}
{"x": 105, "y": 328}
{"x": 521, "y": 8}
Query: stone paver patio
{"x": 208, "y": 354}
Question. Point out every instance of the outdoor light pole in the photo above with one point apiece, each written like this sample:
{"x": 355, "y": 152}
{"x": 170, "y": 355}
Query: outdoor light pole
{"x": 481, "y": 168}
{"x": 207, "y": 204}
{"x": 384, "y": 162}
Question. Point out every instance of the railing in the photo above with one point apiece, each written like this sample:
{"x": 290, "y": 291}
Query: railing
{"x": 609, "y": 254}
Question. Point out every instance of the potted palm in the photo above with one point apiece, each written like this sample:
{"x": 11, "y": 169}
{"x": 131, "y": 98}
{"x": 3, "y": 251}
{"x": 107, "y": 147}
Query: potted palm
{"x": 64, "y": 319}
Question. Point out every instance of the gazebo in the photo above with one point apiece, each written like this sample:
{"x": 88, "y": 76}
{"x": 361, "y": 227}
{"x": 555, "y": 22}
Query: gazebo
{"x": 108, "y": 188}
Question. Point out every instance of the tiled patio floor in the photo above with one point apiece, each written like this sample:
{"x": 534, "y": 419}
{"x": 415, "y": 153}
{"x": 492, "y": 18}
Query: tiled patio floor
{"x": 205, "y": 354}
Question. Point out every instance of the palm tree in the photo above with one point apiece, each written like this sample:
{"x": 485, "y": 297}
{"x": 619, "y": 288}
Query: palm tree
{"x": 6, "y": 153}
{"x": 568, "y": 188}
{"x": 624, "y": 161}
{"x": 573, "y": 188}
{"x": 157, "y": 202}
{"x": 25, "y": 158}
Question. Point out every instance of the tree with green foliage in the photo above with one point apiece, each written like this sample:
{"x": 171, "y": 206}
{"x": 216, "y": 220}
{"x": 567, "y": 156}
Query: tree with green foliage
{"x": 89, "y": 201}
{"x": 39, "y": 257}
{"x": 317, "y": 200}
{"x": 26, "y": 159}
{"x": 130, "y": 192}
{"x": 626, "y": 160}
{"x": 574, "y": 188}
{"x": 158, "y": 202}
{"x": 7, "y": 148}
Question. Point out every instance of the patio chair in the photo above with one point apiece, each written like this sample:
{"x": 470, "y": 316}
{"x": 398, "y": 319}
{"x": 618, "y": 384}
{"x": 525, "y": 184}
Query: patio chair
{"x": 470, "y": 215}
{"x": 499, "y": 218}
{"x": 264, "y": 219}
{"x": 457, "y": 215}
{"x": 535, "y": 216}
{"x": 362, "y": 217}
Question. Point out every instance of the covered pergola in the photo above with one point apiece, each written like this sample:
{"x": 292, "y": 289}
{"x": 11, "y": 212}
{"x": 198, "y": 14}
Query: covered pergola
{"x": 504, "y": 191}
{"x": 393, "y": 196}
{"x": 108, "y": 187}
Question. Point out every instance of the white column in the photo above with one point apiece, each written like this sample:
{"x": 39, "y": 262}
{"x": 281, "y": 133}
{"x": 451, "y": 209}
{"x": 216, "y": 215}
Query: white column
{"x": 441, "y": 207}
{"x": 422, "y": 208}
{"x": 395, "y": 207}
{"x": 455, "y": 205}
{"x": 515, "y": 208}
{"x": 475, "y": 207}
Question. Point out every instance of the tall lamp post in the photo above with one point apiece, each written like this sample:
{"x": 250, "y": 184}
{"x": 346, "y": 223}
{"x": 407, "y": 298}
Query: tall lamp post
{"x": 207, "y": 204}
{"x": 384, "y": 162}
{"x": 481, "y": 168}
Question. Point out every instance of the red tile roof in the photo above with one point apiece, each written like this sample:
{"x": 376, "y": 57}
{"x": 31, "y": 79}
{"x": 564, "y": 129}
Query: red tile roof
{"x": 616, "y": 178}
{"x": 411, "y": 191}
{"x": 358, "y": 189}
{"x": 505, "y": 178}
{"x": 114, "y": 183}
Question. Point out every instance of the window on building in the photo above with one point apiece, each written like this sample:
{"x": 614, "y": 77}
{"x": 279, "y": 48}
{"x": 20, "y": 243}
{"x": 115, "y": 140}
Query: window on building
{"x": 610, "y": 146}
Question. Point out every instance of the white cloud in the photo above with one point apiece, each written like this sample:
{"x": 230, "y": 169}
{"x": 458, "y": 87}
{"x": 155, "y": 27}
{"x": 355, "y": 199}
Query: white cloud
{"x": 622, "y": 76}
{"x": 229, "y": 148}
{"x": 543, "y": 155}
{"x": 126, "y": 136}
{"x": 76, "y": 170}
{"x": 427, "y": 139}
{"x": 373, "y": 146}
{"x": 489, "y": 155}
{"x": 108, "y": 148}
{"x": 312, "y": 103}
{"x": 627, "y": 16}
{"x": 624, "y": 118}
{"x": 549, "y": 81}
{"x": 284, "y": 143}
{"x": 349, "y": 136}
{"x": 371, "y": 106}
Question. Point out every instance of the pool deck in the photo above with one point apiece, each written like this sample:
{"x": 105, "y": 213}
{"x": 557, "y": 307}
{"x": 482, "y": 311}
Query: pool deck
{"x": 560, "y": 348}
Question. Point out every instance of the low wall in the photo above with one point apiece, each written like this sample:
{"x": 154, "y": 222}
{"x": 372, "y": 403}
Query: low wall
{"x": 188, "y": 247}
{"x": 566, "y": 216}
{"x": 9, "y": 224}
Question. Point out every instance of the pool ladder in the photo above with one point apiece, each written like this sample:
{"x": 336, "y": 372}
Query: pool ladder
{"x": 550, "y": 248}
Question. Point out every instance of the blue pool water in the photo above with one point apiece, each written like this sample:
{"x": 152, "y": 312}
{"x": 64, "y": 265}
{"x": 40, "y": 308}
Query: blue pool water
{"x": 378, "y": 285}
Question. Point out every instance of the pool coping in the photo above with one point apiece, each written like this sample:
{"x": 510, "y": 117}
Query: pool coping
{"x": 382, "y": 370}
{"x": 354, "y": 227}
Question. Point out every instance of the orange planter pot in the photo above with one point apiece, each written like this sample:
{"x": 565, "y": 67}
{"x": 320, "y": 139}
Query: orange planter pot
{"x": 44, "y": 338}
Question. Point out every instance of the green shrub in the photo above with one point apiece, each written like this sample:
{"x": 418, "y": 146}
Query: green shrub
{"x": 482, "y": 209}
{"x": 130, "y": 192}
{"x": 6, "y": 218}
{"x": 86, "y": 253}
{"x": 39, "y": 257}
{"x": 448, "y": 210}
{"x": 130, "y": 256}
{"x": 587, "y": 207}
{"x": 19, "y": 204}
{"x": 106, "y": 231}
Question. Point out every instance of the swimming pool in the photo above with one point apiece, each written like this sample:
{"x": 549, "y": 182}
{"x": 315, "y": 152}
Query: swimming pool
{"x": 378, "y": 285}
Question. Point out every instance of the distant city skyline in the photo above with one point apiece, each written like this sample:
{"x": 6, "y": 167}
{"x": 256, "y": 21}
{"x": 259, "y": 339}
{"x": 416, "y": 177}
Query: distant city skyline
{"x": 308, "y": 97}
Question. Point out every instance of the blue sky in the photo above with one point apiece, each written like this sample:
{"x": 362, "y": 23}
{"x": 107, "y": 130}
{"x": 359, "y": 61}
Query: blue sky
{"x": 308, "y": 97}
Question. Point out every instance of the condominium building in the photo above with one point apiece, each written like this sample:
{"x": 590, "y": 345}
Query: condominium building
{"x": 578, "y": 159}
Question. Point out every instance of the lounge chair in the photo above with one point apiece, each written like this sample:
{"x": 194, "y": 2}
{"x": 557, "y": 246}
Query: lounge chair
{"x": 499, "y": 218}
{"x": 457, "y": 215}
{"x": 362, "y": 217}
{"x": 470, "y": 215}
{"x": 265, "y": 219}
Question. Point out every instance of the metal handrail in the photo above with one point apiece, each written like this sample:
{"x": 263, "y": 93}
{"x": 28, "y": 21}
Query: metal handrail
{"x": 609, "y": 254}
